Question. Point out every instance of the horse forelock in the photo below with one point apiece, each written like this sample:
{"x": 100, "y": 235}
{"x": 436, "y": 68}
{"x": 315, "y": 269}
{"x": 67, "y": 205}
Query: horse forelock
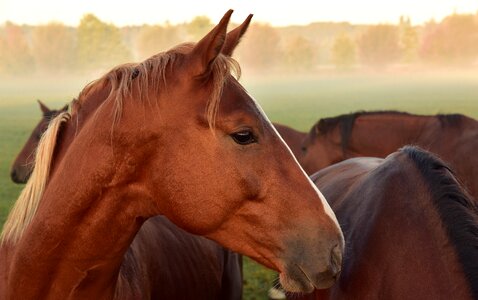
{"x": 457, "y": 211}
{"x": 150, "y": 77}
{"x": 27, "y": 203}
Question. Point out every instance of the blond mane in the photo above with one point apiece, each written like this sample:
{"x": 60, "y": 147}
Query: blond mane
{"x": 26, "y": 205}
{"x": 149, "y": 77}
{"x": 144, "y": 78}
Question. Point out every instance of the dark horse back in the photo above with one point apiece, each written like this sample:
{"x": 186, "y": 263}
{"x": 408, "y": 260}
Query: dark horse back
{"x": 411, "y": 229}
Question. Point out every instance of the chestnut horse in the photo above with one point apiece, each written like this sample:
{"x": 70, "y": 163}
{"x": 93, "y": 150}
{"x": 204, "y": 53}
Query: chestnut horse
{"x": 293, "y": 138}
{"x": 172, "y": 263}
{"x": 411, "y": 229}
{"x": 454, "y": 138}
{"x": 175, "y": 135}
{"x": 22, "y": 166}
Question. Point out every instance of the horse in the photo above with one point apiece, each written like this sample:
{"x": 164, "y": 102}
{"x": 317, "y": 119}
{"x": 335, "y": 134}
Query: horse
{"x": 190, "y": 266}
{"x": 292, "y": 137}
{"x": 22, "y": 166}
{"x": 175, "y": 135}
{"x": 453, "y": 137}
{"x": 410, "y": 227}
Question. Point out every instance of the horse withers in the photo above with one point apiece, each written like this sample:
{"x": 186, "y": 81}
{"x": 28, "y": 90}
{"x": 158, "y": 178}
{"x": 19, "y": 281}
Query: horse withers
{"x": 175, "y": 135}
{"x": 410, "y": 227}
{"x": 453, "y": 137}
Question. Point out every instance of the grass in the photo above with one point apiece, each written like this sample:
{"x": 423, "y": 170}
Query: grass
{"x": 297, "y": 101}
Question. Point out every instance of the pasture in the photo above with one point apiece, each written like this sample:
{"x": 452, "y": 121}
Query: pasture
{"x": 297, "y": 101}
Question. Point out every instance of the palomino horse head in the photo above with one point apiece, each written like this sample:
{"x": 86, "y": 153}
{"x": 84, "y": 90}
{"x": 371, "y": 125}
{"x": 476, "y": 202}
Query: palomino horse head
{"x": 178, "y": 135}
{"x": 22, "y": 167}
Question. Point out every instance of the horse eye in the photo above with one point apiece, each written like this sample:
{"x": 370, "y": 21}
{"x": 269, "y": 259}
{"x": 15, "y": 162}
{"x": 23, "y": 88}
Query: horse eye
{"x": 304, "y": 148}
{"x": 243, "y": 137}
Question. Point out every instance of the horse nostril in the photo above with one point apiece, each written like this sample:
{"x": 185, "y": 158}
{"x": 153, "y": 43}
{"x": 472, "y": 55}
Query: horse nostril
{"x": 336, "y": 260}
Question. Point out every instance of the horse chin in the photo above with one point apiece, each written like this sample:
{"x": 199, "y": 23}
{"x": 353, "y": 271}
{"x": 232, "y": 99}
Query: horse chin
{"x": 297, "y": 281}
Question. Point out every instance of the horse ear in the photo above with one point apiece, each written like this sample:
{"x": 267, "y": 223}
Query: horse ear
{"x": 64, "y": 108}
{"x": 234, "y": 37}
{"x": 210, "y": 46}
{"x": 43, "y": 107}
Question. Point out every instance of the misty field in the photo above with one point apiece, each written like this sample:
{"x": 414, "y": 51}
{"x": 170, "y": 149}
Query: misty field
{"x": 298, "y": 102}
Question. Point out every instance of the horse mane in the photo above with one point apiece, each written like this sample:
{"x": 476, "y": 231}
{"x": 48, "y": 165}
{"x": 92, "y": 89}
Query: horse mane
{"x": 121, "y": 82}
{"x": 144, "y": 77}
{"x": 347, "y": 122}
{"x": 26, "y": 205}
{"x": 450, "y": 120}
{"x": 456, "y": 208}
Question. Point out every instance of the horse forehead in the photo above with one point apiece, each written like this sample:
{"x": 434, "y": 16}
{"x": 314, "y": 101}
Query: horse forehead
{"x": 235, "y": 98}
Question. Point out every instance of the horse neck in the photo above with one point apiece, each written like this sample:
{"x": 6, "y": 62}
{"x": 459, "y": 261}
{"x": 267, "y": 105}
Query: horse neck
{"x": 89, "y": 214}
{"x": 381, "y": 134}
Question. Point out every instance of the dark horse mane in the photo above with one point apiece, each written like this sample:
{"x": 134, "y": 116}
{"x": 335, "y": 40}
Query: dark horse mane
{"x": 347, "y": 121}
{"x": 457, "y": 211}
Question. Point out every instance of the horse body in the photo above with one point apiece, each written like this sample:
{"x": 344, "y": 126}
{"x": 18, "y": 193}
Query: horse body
{"x": 151, "y": 139}
{"x": 165, "y": 262}
{"x": 292, "y": 137}
{"x": 410, "y": 228}
{"x": 453, "y": 138}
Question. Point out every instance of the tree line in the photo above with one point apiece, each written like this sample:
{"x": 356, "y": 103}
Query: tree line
{"x": 97, "y": 46}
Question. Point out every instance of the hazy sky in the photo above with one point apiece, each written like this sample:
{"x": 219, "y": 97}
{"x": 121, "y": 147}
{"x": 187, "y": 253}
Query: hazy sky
{"x": 276, "y": 12}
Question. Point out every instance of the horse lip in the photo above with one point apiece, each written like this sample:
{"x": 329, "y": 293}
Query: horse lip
{"x": 302, "y": 281}
{"x": 296, "y": 284}
{"x": 306, "y": 276}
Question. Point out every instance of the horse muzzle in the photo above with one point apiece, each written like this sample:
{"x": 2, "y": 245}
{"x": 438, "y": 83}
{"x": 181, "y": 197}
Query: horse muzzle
{"x": 304, "y": 278}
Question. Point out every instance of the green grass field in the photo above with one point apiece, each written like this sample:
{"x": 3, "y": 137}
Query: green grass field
{"x": 298, "y": 102}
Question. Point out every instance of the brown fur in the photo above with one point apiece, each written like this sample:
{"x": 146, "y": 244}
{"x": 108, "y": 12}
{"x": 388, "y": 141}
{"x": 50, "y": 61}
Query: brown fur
{"x": 161, "y": 255}
{"x": 292, "y": 137}
{"x": 410, "y": 226}
{"x": 454, "y": 138}
{"x": 163, "y": 157}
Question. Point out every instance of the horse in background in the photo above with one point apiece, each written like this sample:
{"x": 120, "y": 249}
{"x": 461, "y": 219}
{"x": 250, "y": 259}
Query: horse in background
{"x": 181, "y": 265}
{"x": 453, "y": 137}
{"x": 22, "y": 166}
{"x": 175, "y": 135}
{"x": 410, "y": 227}
{"x": 292, "y": 137}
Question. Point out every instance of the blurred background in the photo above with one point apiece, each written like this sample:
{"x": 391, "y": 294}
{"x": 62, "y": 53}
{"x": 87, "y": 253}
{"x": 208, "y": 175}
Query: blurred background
{"x": 301, "y": 62}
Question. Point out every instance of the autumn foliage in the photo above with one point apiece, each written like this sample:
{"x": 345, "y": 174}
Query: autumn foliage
{"x": 96, "y": 45}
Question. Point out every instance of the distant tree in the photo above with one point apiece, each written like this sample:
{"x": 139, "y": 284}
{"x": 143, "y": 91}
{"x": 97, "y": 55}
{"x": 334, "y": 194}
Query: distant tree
{"x": 299, "y": 54}
{"x": 15, "y": 56}
{"x": 452, "y": 41}
{"x": 261, "y": 49}
{"x": 379, "y": 45}
{"x": 53, "y": 47}
{"x": 198, "y": 27}
{"x": 343, "y": 52}
{"x": 408, "y": 40}
{"x": 100, "y": 45}
{"x": 154, "y": 39}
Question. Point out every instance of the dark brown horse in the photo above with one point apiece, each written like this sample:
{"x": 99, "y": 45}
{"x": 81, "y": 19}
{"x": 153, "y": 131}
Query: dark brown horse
{"x": 175, "y": 135}
{"x": 163, "y": 261}
{"x": 410, "y": 227}
{"x": 454, "y": 138}
{"x": 22, "y": 166}
{"x": 293, "y": 138}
